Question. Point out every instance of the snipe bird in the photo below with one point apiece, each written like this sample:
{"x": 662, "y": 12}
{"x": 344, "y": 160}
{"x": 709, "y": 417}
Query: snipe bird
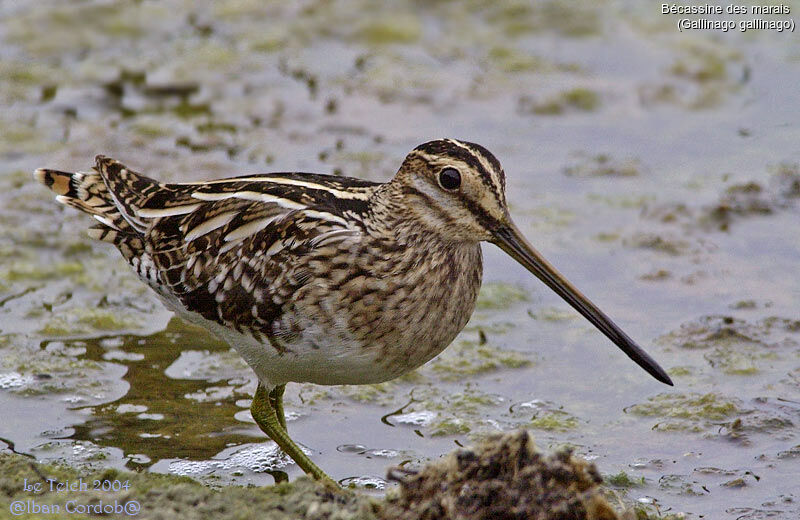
{"x": 317, "y": 278}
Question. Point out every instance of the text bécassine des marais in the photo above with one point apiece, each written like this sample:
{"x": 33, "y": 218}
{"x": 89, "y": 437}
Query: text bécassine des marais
{"x": 718, "y": 9}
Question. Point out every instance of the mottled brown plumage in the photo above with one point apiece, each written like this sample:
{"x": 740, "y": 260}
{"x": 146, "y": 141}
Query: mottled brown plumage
{"x": 315, "y": 278}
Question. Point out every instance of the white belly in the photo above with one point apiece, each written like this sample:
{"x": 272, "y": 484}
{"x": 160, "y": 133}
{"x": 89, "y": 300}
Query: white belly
{"x": 339, "y": 362}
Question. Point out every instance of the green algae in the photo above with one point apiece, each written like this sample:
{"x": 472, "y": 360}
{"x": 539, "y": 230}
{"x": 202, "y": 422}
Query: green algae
{"x": 582, "y": 99}
{"x": 469, "y": 358}
{"x": 605, "y": 236}
{"x": 735, "y": 363}
{"x": 688, "y": 411}
{"x": 187, "y": 110}
{"x": 152, "y": 495}
{"x": 55, "y": 327}
{"x": 23, "y": 75}
{"x": 734, "y": 346}
{"x": 471, "y": 402}
{"x": 380, "y": 393}
{"x": 704, "y": 77}
{"x": 623, "y": 480}
{"x": 53, "y": 371}
{"x": 660, "y": 243}
{"x": 786, "y": 178}
{"x": 449, "y": 426}
{"x": 269, "y": 43}
{"x": 402, "y": 29}
{"x": 150, "y": 129}
{"x": 499, "y": 296}
{"x": 554, "y": 421}
{"x": 242, "y": 9}
{"x": 81, "y": 27}
{"x": 680, "y": 485}
{"x": 648, "y": 512}
{"x": 215, "y": 126}
{"x": 20, "y": 137}
{"x": 734, "y": 203}
{"x": 551, "y": 217}
{"x": 77, "y": 249}
{"x": 104, "y": 320}
{"x": 576, "y": 99}
{"x": 681, "y": 371}
{"x": 553, "y": 314}
{"x": 26, "y": 271}
{"x": 452, "y": 413}
{"x": 573, "y": 20}
{"x": 76, "y": 321}
{"x": 701, "y": 64}
{"x": 603, "y": 165}
{"x": 513, "y": 60}
{"x": 738, "y": 201}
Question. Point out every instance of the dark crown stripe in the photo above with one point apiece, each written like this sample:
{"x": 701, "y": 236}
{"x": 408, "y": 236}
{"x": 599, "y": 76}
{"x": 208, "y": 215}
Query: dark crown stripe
{"x": 447, "y": 149}
{"x": 483, "y": 152}
{"x": 470, "y": 154}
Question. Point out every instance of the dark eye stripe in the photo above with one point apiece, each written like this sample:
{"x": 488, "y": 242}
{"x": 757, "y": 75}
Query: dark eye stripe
{"x": 431, "y": 204}
{"x": 449, "y": 179}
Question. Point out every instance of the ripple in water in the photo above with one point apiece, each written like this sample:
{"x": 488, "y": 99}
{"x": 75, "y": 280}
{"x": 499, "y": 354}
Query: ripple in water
{"x": 14, "y": 380}
{"x": 257, "y": 458}
{"x": 364, "y": 482}
{"x": 421, "y": 418}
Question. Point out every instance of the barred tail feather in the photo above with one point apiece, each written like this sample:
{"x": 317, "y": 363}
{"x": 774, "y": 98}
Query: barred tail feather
{"x": 86, "y": 192}
{"x": 62, "y": 183}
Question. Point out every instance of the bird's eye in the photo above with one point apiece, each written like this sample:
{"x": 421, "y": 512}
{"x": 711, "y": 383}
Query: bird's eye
{"x": 449, "y": 179}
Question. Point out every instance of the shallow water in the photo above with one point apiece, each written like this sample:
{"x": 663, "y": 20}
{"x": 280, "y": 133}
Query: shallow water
{"x": 658, "y": 170}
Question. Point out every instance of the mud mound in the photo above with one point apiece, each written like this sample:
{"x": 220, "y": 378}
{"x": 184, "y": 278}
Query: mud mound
{"x": 503, "y": 477}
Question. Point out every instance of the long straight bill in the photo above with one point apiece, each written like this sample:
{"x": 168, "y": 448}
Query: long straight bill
{"x": 510, "y": 240}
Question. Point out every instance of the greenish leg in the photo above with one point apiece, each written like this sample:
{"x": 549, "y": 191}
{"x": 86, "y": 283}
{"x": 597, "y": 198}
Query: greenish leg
{"x": 264, "y": 413}
{"x": 276, "y": 400}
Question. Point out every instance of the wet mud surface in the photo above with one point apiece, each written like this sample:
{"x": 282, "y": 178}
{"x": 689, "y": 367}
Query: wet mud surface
{"x": 658, "y": 170}
{"x": 502, "y": 477}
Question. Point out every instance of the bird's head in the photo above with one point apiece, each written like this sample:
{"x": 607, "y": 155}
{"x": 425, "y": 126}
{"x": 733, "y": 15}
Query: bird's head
{"x": 456, "y": 189}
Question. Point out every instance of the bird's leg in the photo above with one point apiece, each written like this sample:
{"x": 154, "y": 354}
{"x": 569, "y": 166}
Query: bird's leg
{"x": 276, "y": 400}
{"x": 266, "y": 418}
